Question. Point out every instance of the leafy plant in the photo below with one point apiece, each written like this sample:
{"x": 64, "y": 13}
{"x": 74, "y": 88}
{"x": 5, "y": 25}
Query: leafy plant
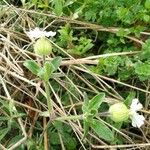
{"x": 111, "y": 38}
{"x": 45, "y": 73}
{"x": 90, "y": 110}
{"x": 74, "y": 45}
{"x": 145, "y": 54}
{"x": 84, "y": 45}
{"x": 142, "y": 70}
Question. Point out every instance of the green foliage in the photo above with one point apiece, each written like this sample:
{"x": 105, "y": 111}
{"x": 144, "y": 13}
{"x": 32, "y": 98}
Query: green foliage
{"x": 105, "y": 12}
{"x": 32, "y": 66}
{"x": 90, "y": 109}
{"x": 111, "y": 65}
{"x": 108, "y": 65}
{"x": 95, "y": 102}
{"x": 56, "y": 63}
{"x": 92, "y": 105}
{"x": 66, "y": 36}
{"x": 142, "y": 70}
{"x": 66, "y": 133}
{"x": 102, "y": 130}
{"x": 83, "y": 46}
{"x": 145, "y": 54}
{"x": 110, "y": 13}
{"x": 147, "y": 4}
{"x": 122, "y": 33}
{"x": 3, "y": 132}
{"x": 45, "y": 72}
{"x": 129, "y": 98}
{"x": 58, "y": 7}
{"x": 78, "y": 37}
{"x": 8, "y": 124}
{"x": 74, "y": 45}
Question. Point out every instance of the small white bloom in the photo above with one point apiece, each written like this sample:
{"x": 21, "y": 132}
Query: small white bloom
{"x": 136, "y": 105}
{"x": 137, "y": 120}
{"x": 37, "y": 33}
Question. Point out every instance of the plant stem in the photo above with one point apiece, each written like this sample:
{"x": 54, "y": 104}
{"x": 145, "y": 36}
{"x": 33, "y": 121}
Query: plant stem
{"x": 49, "y": 101}
{"x": 47, "y": 90}
{"x": 76, "y": 117}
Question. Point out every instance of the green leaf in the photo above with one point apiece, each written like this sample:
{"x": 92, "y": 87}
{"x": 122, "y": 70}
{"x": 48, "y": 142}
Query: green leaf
{"x": 59, "y": 126}
{"x": 147, "y": 4}
{"x": 146, "y": 18}
{"x": 145, "y": 54}
{"x": 69, "y": 141}
{"x": 111, "y": 64}
{"x": 56, "y": 62}
{"x": 2, "y": 118}
{"x": 117, "y": 125}
{"x": 54, "y": 140}
{"x": 129, "y": 98}
{"x": 49, "y": 69}
{"x": 41, "y": 73}
{"x": 95, "y": 102}
{"x": 32, "y": 66}
{"x": 58, "y": 7}
{"x": 46, "y": 72}
{"x": 64, "y": 130}
{"x": 142, "y": 70}
{"x": 66, "y": 36}
{"x": 122, "y": 12}
{"x": 15, "y": 139}
{"x": 86, "y": 126}
{"x": 3, "y": 132}
{"x": 102, "y": 130}
{"x": 85, "y": 103}
{"x": 122, "y": 32}
{"x": 82, "y": 47}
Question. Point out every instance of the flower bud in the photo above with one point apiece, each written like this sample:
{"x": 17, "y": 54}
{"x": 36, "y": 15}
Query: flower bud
{"x": 42, "y": 46}
{"x": 119, "y": 112}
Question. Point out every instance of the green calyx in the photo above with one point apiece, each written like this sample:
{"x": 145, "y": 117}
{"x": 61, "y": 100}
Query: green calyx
{"x": 119, "y": 112}
{"x": 43, "y": 47}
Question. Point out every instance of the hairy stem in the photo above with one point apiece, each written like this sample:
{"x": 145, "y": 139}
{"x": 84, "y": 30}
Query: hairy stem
{"x": 76, "y": 117}
{"x": 49, "y": 101}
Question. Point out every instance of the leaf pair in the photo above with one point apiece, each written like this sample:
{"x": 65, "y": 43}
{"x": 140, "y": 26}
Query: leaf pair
{"x": 90, "y": 109}
{"x": 46, "y": 71}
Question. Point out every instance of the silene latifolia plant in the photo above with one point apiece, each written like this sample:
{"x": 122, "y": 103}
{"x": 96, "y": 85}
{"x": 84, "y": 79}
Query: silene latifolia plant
{"x": 43, "y": 47}
{"x": 90, "y": 116}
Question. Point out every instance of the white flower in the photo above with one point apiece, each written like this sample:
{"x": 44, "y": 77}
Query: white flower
{"x": 136, "y": 105}
{"x": 137, "y": 120}
{"x": 37, "y": 33}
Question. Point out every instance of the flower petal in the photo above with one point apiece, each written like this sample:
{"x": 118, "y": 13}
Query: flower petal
{"x": 137, "y": 120}
{"x": 37, "y": 33}
{"x": 50, "y": 33}
{"x": 136, "y": 105}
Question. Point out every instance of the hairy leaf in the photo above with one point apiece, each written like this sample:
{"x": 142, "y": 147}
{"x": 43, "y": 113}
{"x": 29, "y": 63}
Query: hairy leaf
{"x": 32, "y": 66}
{"x": 102, "y": 130}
